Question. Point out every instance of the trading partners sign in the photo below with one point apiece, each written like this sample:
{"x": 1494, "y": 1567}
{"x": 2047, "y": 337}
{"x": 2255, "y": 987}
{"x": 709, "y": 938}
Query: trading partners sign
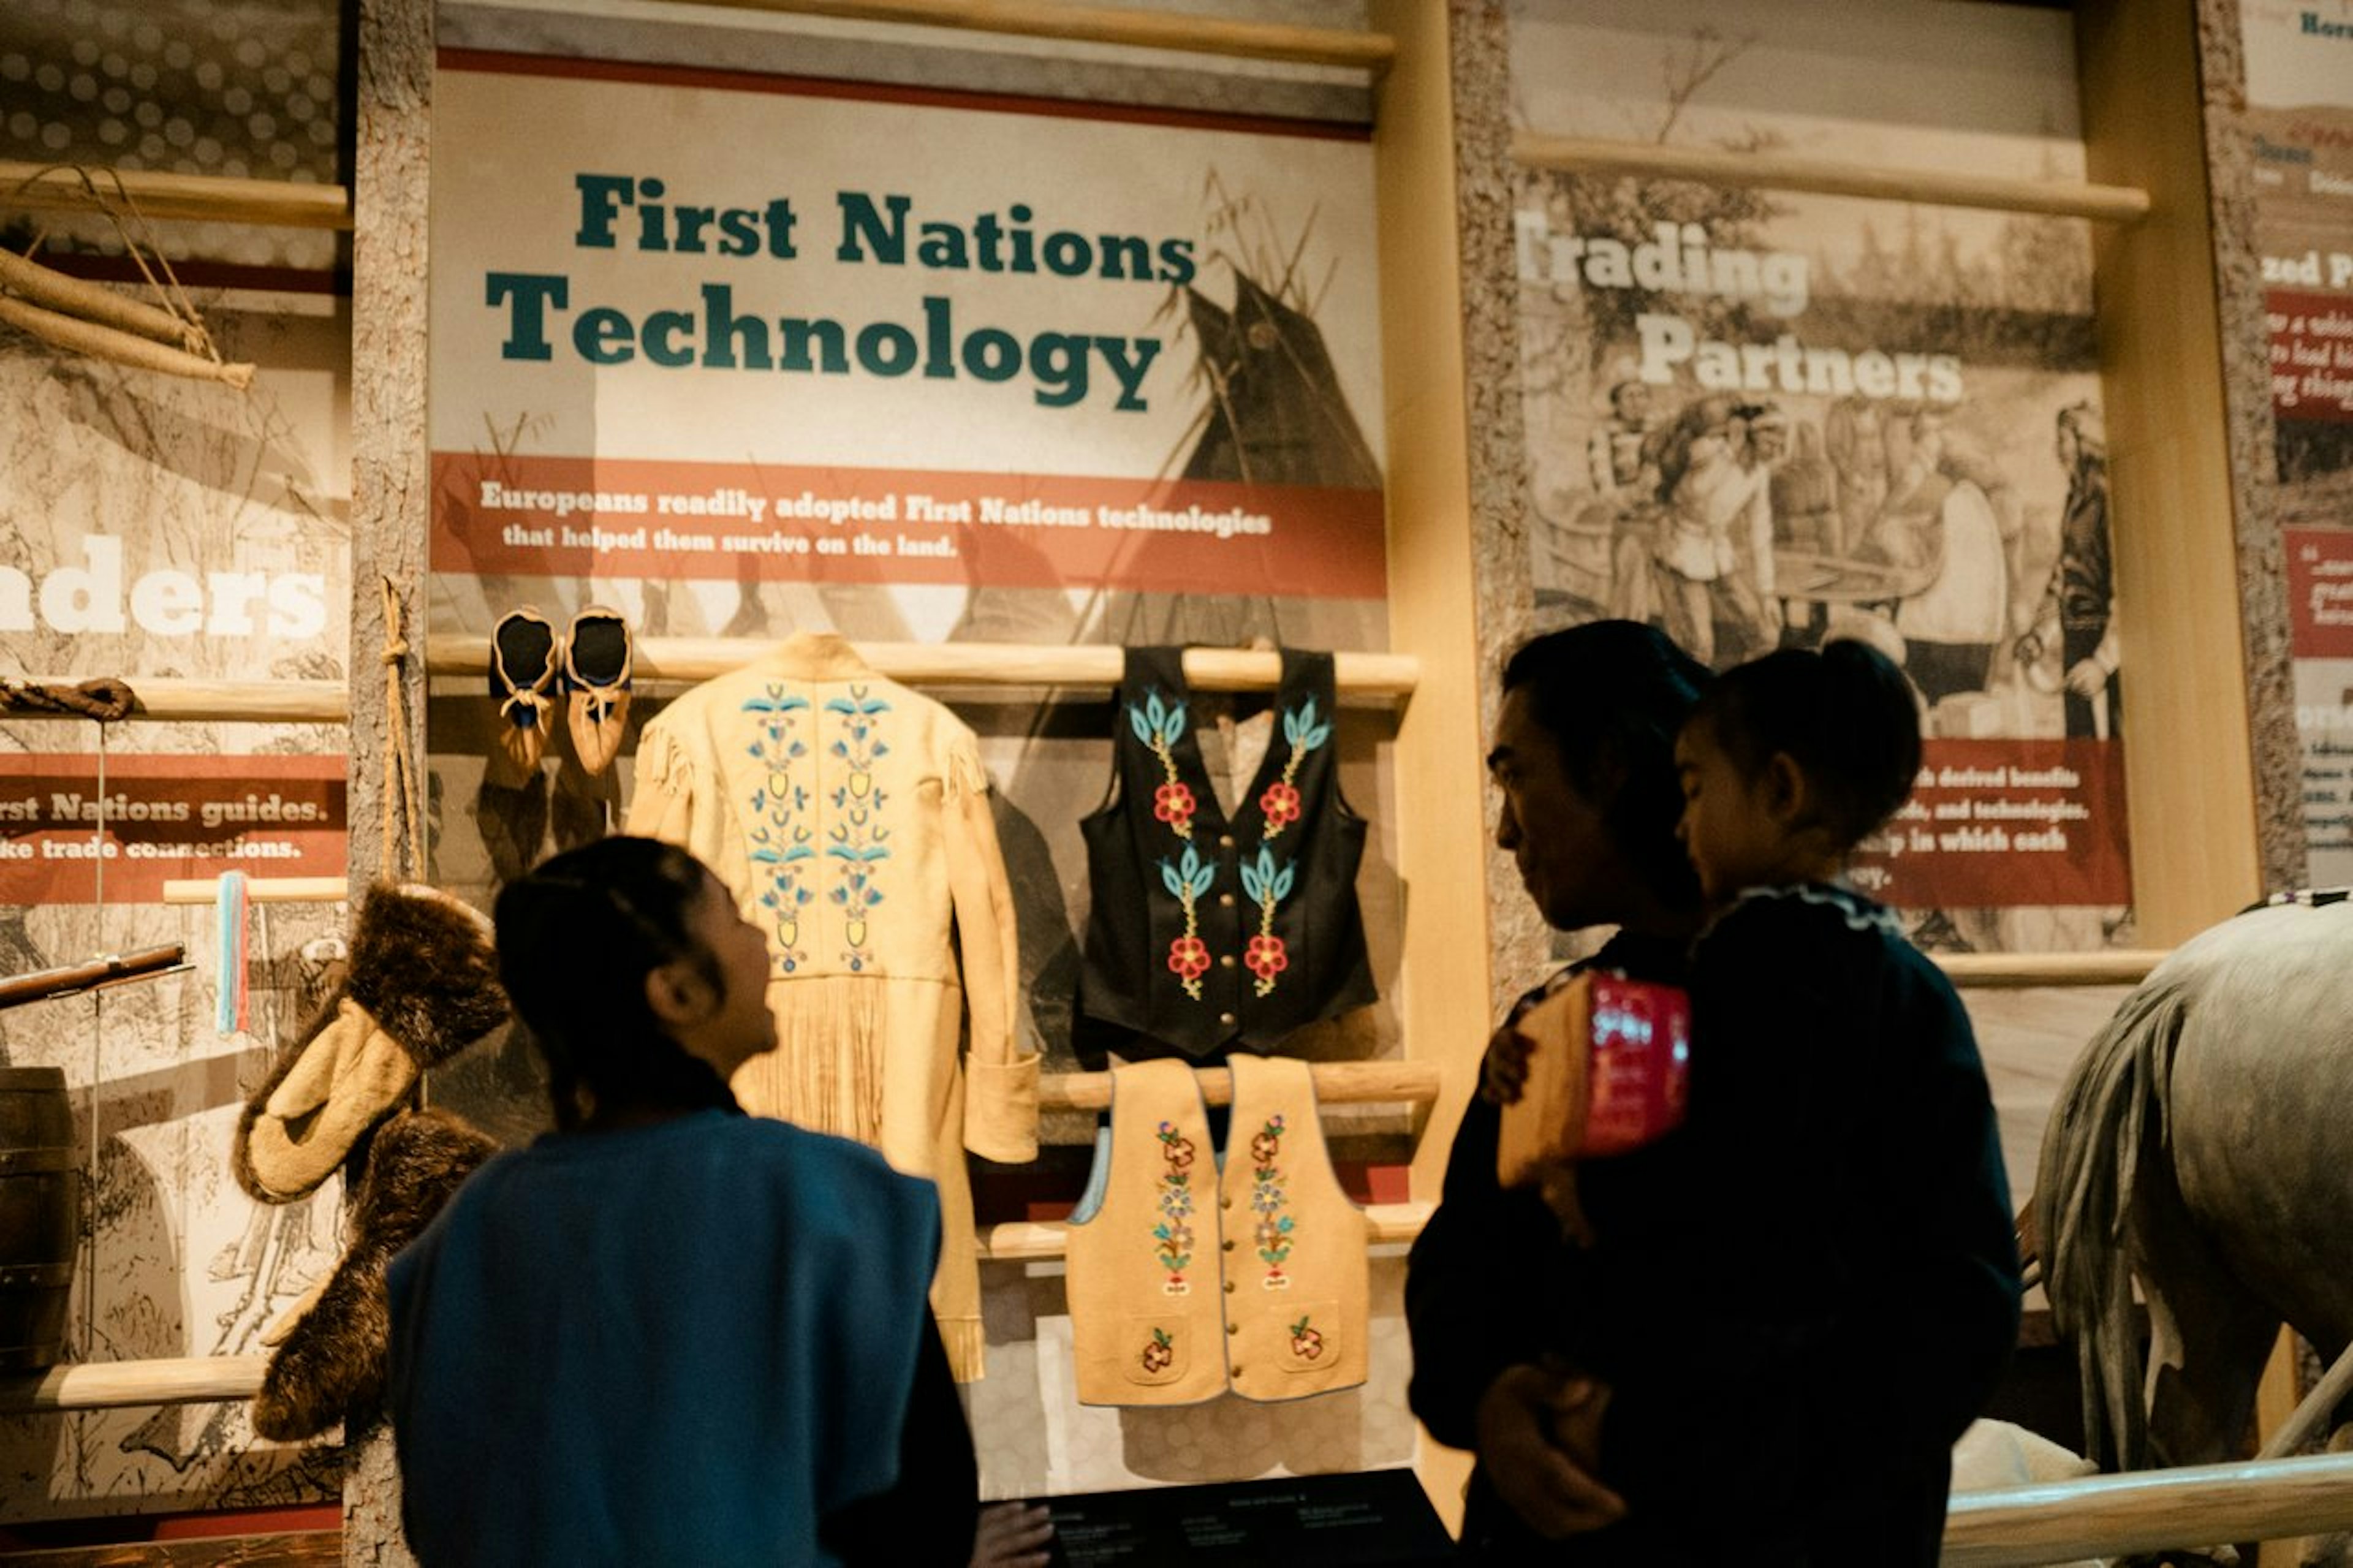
{"x": 712, "y": 325}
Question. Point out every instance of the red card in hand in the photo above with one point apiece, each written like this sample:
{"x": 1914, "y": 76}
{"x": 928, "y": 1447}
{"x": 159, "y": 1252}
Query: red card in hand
{"x": 1607, "y": 1072}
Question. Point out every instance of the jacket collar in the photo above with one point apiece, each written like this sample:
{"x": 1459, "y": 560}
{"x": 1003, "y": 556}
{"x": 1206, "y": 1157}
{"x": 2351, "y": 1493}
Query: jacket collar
{"x": 817, "y": 655}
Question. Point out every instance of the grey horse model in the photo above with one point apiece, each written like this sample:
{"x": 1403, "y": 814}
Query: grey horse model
{"x": 2202, "y": 1149}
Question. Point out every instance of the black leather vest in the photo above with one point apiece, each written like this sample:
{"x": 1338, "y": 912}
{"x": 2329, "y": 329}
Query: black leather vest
{"x": 1208, "y": 935}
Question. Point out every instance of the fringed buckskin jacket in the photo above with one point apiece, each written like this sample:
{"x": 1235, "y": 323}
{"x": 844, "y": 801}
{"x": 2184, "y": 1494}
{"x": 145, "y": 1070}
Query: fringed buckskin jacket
{"x": 850, "y": 817}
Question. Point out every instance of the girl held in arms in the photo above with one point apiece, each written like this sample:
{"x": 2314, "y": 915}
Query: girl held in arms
{"x": 1859, "y": 1284}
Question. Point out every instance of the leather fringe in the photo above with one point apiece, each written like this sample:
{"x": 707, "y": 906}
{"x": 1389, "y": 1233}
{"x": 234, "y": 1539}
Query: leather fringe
{"x": 826, "y": 1073}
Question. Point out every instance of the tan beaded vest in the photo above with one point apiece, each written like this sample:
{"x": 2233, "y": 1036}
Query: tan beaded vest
{"x": 1186, "y": 1279}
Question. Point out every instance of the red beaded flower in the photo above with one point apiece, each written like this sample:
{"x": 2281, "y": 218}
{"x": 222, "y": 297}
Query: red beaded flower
{"x": 1265, "y": 957}
{"x": 1176, "y": 1147}
{"x": 1188, "y": 956}
{"x": 1281, "y": 805}
{"x": 1173, "y": 804}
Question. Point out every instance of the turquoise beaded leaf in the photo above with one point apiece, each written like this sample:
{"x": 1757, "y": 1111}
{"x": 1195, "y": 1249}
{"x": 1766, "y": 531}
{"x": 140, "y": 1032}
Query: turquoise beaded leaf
{"x": 1263, "y": 882}
{"x": 1300, "y": 728}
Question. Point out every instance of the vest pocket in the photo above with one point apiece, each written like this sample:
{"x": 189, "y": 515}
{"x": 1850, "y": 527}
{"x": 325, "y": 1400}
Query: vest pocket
{"x": 1153, "y": 1348}
{"x": 1311, "y": 1337}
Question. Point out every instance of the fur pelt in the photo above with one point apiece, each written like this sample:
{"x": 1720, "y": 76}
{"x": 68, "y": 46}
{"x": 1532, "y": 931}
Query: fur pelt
{"x": 332, "y": 1359}
{"x": 423, "y": 966}
{"x": 423, "y": 972}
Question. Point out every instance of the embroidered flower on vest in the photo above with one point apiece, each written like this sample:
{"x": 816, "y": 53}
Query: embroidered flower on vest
{"x": 1173, "y": 804}
{"x": 779, "y": 842}
{"x": 1306, "y": 1343}
{"x": 1159, "y": 725}
{"x": 858, "y": 835}
{"x": 1268, "y": 885}
{"x": 1269, "y": 1202}
{"x": 1279, "y": 801}
{"x": 1187, "y": 880}
{"x": 1159, "y": 1352}
{"x": 1174, "y": 1234}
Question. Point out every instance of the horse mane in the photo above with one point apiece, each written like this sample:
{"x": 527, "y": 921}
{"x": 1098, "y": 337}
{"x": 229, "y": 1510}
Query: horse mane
{"x": 2100, "y": 1176}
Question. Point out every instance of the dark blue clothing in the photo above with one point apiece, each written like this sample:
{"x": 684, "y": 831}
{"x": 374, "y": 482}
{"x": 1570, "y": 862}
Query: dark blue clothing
{"x": 1802, "y": 1297}
{"x": 690, "y": 1341}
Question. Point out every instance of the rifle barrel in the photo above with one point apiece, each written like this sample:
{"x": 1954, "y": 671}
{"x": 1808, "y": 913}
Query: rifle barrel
{"x": 42, "y": 984}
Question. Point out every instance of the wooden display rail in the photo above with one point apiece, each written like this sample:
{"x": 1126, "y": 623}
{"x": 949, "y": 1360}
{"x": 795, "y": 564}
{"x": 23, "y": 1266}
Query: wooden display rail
{"x": 198, "y": 198}
{"x": 260, "y": 889}
{"x": 1336, "y": 1083}
{"x": 1035, "y": 1241}
{"x": 1388, "y": 676}
{"x": 2108, "y": 1516}
{"x": 2118, "y": 966}
{"x": 1715, "y": 166}
{"x": 225, "y": 701}
{"x": 109, "y": 1385}
{"x": 1108, "y": 24}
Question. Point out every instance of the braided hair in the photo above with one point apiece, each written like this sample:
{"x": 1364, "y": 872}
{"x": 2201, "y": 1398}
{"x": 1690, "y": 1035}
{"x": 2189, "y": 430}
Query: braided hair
{"x": 577, "y": 939}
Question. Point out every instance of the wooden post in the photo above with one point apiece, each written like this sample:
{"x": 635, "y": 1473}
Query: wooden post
{"x": 2188, "y": 629}
{"x": 1434, "y": 562}
{"x": 391, "y": 489}
{"x": 1449, "y": 345}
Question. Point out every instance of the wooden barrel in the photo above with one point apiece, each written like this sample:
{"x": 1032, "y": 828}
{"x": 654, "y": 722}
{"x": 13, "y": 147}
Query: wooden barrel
{"x": 40, "y": 1215}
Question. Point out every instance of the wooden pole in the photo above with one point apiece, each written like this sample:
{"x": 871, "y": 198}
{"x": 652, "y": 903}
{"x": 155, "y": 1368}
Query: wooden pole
{"x": 197, "y": 198}
{"x": 1193, "y": 35}
{"x": 1822, "y": 176}
{"x": 1367, "y": 675}
{"x": 2107, "y": 1515}
{"x": 2116, "y": 966}
{"x": 109, "y": 1385}
{"x": 260, "y": 889}
{"x": 1035, "y": 1241}
{"x": 75, "y": 335}
{"x": 95, "y": 302}
{"x": 1336, "y": 1083}
{"x": 249, "y": 701}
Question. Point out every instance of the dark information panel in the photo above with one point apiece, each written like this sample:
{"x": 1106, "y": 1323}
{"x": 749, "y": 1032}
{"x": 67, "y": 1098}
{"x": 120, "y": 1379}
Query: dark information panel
{"x": 1375, "y": 1519}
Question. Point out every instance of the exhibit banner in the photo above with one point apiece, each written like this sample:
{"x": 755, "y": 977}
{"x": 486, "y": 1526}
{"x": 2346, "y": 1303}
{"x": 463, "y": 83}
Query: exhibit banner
{"x": 713, "y": 327}
{"x": 81, "y": 828}
{"x": 1760, "y": 419}
{"x": 2299, "y": 55}
{"x": 158, "y": 528}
